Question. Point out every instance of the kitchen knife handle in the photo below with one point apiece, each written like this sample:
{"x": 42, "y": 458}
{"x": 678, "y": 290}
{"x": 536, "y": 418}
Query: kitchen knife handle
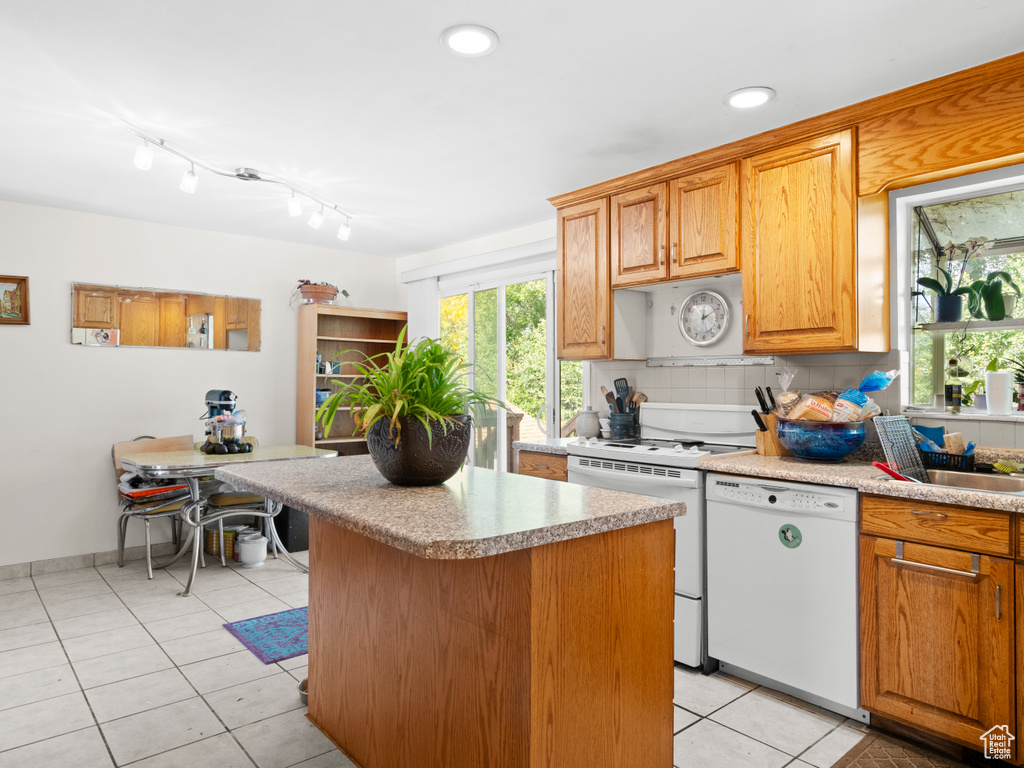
{"x": 758, "y": 420}
{"x": 771, "y": 397}
{"x": 760, "y": 399}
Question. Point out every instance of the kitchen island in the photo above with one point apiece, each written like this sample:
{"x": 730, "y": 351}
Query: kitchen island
{"x": 496, "y": 620}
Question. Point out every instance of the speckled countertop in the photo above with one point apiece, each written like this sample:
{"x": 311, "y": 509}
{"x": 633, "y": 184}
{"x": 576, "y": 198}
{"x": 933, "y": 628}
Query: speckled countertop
{"x": 477, "y": 513}
{"x": 856, "y": 474}
{"x": 555, "y": 445}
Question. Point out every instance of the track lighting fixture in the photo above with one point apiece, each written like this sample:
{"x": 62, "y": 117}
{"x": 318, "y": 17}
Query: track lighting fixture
{"x": 189, "y": 182}
{"x": 317, "y": 219}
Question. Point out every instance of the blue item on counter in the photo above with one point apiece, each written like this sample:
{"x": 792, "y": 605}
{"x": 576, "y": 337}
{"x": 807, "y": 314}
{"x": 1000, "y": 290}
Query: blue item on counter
{"x": 877, "y": 381}
{"x": 928, "y": 445}
{"x": 936, "y": 434}
{"x": 821, "y": 440}
{"x": 969, "y": 450}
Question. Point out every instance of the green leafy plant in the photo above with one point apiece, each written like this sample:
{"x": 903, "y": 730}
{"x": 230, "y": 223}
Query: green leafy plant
{"x": 986, "y": 296}
{"x": 945, "y": 288}
{"x": 425, "y": 381}
{"x": 1016, "y": 365}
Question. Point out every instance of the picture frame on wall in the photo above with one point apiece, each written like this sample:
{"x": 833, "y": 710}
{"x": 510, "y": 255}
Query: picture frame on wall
{"x": 14, "y": 300}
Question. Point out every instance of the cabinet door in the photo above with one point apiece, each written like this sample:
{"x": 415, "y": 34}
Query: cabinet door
{"x": 95, "y": 308}
{"x": 936, "y": 640}
{"x": 704, "y": 210}
{"x": 583, "y": 290}
{"x": 638, "y": 236}
{"x": 798, "y": 251}
{"x": 140, "y": 321}
{"x": 172, "y": 322}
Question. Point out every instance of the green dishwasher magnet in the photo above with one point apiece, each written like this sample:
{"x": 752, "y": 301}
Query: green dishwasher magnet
{"x": 790, "y": 536}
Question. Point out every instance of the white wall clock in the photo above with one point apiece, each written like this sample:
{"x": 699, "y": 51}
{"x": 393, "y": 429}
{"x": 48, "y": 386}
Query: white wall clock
{"x": 703, "y": 318}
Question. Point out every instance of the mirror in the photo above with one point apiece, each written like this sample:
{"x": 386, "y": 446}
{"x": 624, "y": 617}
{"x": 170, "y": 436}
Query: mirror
{"x": 109, "y": 316}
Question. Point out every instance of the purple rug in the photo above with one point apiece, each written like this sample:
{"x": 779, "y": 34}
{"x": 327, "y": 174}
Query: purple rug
{"x": 276, "y": 636}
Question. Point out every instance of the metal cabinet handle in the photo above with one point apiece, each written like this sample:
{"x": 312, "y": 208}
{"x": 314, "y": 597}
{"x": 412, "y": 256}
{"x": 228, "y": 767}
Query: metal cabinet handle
{"x": 746, "y": 325}
{"x": 927, "y": 514}
{"x": 999, "y": 602}
{"x": 662, "y": 256}
{"x": 973, "y": 573}
{"x": 602, "y": 334}
{"x": 674, "y": 254}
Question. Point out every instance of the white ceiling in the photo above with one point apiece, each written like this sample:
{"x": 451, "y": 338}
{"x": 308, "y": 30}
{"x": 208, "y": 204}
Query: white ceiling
{"x": 358, "y": 102}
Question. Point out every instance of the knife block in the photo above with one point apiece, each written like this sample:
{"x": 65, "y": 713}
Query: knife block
{"x": 768, "y": 442}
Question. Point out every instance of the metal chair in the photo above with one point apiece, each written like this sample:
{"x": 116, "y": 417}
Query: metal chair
{"x": 140, "y": 509}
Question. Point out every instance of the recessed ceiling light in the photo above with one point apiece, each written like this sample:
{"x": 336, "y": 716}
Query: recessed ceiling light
{"x": 745, "y": 98}
{"x": 469, "y": 40}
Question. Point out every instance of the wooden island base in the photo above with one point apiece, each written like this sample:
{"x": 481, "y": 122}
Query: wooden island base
{"x": 558, "y": 656}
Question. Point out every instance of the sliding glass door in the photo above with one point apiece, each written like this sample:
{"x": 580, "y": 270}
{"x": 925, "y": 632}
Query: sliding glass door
{"x": 505, "y": 330}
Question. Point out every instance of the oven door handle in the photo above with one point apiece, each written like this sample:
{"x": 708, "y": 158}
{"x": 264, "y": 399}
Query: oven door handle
{"x": 693, "y": 481}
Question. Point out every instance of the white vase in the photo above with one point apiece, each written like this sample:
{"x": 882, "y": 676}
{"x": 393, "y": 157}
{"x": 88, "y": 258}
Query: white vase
{"x": 587, "y": 423}
{"x": 1009, "y": 302}
{"x": 999, "y": 390}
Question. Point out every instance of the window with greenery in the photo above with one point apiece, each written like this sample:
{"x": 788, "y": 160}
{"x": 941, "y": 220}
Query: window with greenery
{"x": 973, "y": 249}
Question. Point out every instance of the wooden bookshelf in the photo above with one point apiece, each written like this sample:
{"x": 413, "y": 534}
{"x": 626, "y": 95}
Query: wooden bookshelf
{"x": 334, "y": 330}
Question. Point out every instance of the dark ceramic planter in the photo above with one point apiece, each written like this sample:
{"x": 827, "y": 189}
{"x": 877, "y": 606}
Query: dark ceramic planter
{"x": 417, "y": 461}
{"x": 948, "y": 308}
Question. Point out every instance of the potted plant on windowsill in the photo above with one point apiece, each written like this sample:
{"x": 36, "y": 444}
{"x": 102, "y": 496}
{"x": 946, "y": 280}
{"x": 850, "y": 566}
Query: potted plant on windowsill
{"x": 413, "y": 405}
{"x": 986, "y": 297}
{"x": 948, "y": 300}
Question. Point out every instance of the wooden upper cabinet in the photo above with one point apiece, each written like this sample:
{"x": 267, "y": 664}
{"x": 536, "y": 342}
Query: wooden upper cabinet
{"x": 95, "y": 308}
{"x": 638, "y": 236}
{"x": 173, "y": 330}
{"x": 583, "y": 290}
{"x": 798, "y": 247}
{"x": 140, "y": 321}
{"x": 937, "y": 638}
{"x": 704, "y": 222}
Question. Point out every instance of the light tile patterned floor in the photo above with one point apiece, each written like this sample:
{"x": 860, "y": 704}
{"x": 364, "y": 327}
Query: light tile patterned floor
{"x": 100, "y": 667}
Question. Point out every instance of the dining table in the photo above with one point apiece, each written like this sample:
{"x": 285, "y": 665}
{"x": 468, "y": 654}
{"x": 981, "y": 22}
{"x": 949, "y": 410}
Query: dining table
{"x": 191, "y": 467}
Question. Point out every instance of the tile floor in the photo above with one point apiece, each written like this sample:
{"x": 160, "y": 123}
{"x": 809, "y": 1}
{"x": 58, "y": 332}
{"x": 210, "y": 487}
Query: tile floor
{"x": 100, "y": 667}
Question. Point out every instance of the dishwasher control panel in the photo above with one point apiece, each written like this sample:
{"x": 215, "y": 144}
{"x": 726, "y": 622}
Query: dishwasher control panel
{"x": 765, "y": 493}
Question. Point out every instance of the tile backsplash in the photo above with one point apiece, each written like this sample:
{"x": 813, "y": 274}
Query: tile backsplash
{"x": 734, "y": 385}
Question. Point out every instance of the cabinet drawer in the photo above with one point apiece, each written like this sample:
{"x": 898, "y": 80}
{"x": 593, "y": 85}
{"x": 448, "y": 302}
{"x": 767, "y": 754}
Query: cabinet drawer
{"x": 546, "y": 465}
{"x": 969, "y": 530}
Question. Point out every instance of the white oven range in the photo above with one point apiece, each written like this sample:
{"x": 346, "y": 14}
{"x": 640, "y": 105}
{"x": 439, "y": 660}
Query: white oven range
{"x": 663, "y": 464}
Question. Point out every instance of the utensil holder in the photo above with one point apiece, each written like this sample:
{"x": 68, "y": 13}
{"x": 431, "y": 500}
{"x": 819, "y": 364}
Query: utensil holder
{"x": 768, "y": 442}
{"x": 623, "y": 426}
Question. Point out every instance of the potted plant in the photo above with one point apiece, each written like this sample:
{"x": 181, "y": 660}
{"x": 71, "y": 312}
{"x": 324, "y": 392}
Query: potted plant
{"x": 1016, "y": 366}
{"x": 948, "y": 300}
{"x": 413, "y": 404}
{"x": 317, "y": 293}
{"x": 988, "y": 295}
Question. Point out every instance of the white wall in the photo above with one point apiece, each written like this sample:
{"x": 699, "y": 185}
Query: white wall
{"x": 62, "y": 406}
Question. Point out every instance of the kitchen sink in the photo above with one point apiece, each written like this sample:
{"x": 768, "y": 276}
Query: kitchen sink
{"x": 977, "y": 481}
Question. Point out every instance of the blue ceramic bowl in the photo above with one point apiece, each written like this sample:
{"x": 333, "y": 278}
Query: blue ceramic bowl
{"x": 820, "y": 440}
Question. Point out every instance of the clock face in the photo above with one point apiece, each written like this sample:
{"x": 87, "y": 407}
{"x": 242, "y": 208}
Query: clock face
{"x": 703, "y": 318}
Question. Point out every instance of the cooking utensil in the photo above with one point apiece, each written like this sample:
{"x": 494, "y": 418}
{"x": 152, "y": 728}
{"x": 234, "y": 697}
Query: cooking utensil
{"x": 771, "y": 397}
{"x": 620, "y": 406}
{"x": 629, "y": 399}
{"x": 760, "y": 399}
{"x": 901, "y": 452}
{"x": 610, "y": 398}
{"x": 1007, "y": 466}
{"x": 892, "y": 472}
{"x": 758, "y": 421}
{"x": 638, "y": 398}
{"x": 621, "y": 388}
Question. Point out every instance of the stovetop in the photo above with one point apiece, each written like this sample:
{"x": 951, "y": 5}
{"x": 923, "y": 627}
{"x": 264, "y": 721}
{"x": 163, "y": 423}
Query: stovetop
{"x": 676, "y": 435}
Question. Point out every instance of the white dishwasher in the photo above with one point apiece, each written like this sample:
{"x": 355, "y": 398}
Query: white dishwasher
{"x": 782, "y": 587}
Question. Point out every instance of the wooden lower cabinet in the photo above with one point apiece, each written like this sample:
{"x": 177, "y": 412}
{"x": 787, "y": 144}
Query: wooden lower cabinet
{"x": 937, "y": 642}
{"x": 547, "y": 465}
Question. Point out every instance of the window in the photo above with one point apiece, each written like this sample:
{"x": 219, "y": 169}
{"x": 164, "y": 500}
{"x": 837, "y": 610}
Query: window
{"x": 972, "y": 243}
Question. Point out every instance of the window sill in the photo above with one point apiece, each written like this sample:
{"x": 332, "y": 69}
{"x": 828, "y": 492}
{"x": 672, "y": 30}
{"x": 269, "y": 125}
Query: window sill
{"x": 965, "y": 415}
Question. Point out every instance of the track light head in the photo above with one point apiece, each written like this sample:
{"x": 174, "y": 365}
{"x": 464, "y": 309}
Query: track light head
{"x": 316, "y": 219}
{"x": 345, "y": 230}
{"x": 294, "y": 206}
{"x": 189, "y": 181}
{"x": 144, "y": 157}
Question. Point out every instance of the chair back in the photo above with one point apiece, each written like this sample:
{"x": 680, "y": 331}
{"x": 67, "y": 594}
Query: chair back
{"x": 149, "y": 445}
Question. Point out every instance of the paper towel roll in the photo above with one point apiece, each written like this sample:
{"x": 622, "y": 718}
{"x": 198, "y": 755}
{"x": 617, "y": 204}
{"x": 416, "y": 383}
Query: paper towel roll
{"x": 999, "y": 386}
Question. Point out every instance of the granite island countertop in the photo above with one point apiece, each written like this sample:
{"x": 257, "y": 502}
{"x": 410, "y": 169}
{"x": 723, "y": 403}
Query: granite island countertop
{"x": 477, "y": 513}
{"x": 553, "y": 445}
{"x": 855, "y": 474}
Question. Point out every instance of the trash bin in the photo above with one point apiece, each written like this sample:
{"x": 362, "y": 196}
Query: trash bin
{"x": 292, "y": 526}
